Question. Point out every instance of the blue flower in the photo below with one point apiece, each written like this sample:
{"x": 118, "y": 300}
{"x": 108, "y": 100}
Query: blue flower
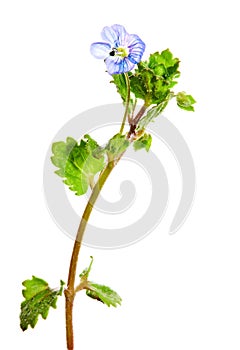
{"x": 120, "y": 50}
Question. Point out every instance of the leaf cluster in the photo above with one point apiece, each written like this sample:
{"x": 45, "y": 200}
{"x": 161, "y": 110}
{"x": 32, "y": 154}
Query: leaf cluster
{"x": 153, "y": 79}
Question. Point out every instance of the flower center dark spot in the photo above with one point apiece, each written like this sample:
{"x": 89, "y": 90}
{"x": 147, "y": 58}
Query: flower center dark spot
{"x": 113, "y": 52}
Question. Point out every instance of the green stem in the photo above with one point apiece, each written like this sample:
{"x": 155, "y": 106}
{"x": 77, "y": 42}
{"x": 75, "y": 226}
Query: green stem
{"x": 70, "y": 290}
{"x": 126, "y": 103}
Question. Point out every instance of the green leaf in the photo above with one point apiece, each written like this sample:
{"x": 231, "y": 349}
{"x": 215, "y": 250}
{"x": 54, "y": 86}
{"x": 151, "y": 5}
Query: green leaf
{"x": 78, "y": 163}
{"x": 103, "y": 294}
{"x": 117, "y": 145}
{"x": 153, "y": 79}
{"x": 84, "y": 275}
{"x": 185, "y": 101}
{"x": 144, "y": 141}
{"x": 93, "y": 295}
{"x": 38, "y": 300}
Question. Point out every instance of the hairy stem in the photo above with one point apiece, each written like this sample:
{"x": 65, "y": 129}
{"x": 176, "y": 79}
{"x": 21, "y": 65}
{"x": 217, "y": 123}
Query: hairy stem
{"x": 70, "y": 290}
{"x": 126, "y": 103}
{"x": 139, "y": 114}
{"x": 134, "y": 122}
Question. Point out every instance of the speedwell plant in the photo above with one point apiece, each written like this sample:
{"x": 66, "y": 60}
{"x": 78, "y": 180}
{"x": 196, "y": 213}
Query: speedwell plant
{"x": 85, "y": 164}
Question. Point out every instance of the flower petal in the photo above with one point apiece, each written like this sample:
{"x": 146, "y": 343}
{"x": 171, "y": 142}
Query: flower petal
{"x": 100, "y": 50}
{"x": 112, "y": 67}
{"x": 118, "y": 65}
{"x": 115, "y": 35}
{"x": 136, "y": 48}
{"x": 121, "y": 33}
{"x": 109, "y": 35}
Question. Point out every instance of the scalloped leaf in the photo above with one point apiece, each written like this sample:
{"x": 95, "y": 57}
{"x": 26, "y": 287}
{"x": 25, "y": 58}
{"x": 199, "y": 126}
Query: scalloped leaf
{"x": 78, "y": 163}
{"x": 103, "y": 293}
{"x": 38, "y": 300}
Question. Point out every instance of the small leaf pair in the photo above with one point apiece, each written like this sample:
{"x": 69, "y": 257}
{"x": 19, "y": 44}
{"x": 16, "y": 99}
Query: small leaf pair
{"x": 97, "y": 291}
{"x": 39, "y": 297}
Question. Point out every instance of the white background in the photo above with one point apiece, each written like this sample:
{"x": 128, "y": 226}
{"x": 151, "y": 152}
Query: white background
{"x": 180, "y": 291}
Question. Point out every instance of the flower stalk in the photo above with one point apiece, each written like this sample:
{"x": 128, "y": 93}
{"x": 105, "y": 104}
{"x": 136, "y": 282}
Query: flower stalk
{"x": 126, "y": 113}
